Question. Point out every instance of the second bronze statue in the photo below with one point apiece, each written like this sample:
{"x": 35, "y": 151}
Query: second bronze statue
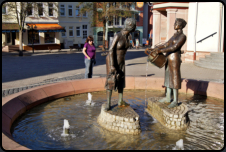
{"x": 115, "y": 63}
{"x": 172, "y": 48}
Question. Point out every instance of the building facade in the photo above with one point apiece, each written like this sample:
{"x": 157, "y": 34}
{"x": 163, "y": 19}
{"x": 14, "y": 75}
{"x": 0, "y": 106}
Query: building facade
{"x": 117, "y": 25}
{"x": 44, "y": 22}
{"x": 203, "y": 19}
{"x": 58, "y": 25}
{"x": 78, "y": 26}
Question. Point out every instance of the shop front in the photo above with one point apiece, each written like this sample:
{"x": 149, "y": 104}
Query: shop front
{"x": 41, "y": 36}
{"x": 10, "y": 34}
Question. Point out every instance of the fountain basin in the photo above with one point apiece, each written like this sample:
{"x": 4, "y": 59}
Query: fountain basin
{"x": 15, "y": 105}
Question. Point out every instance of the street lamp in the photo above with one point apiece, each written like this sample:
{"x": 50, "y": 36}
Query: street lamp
{"x": 32, "y": 29}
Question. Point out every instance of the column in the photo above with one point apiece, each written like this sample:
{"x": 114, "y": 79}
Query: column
{"x": 156, "y": 28}
{"x": 171, "y": 16}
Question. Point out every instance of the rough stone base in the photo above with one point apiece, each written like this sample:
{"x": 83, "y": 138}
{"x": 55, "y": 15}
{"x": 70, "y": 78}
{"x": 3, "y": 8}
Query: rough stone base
{"x": 173, "y": 118}
{"x": 119, "y": 119}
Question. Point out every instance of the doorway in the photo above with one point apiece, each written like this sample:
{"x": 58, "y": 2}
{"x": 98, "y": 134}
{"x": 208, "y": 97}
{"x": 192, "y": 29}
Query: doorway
{"x": 137, "y": 35}
{"x": 13, "y": 38}
{"x": 100, "y": 38}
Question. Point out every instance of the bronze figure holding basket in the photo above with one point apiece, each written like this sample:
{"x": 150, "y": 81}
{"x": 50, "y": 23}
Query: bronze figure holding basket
{"x": 172, "y": 61}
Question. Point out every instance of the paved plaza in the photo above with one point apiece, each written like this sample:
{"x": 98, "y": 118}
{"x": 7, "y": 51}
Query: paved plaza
{"x": 42, "y": 67}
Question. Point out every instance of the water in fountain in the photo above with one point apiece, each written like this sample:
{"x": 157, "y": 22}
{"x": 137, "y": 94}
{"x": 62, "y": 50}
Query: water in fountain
{"x": 179, "y": 145}
{"x": 89, "y": 101}
{"x": 41, "y": 127}
{"x": 66, "y": 128}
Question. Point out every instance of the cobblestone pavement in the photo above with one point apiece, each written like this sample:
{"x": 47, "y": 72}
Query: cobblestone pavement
{"x": 31, "y": 70}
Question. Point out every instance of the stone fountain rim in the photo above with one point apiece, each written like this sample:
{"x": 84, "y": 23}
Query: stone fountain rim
{"x": 16, "y": 104}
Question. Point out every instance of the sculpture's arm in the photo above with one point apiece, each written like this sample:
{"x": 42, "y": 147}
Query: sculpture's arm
{"x": 165, "y": 44}
{"x": 180, "y": 42}
{"x": 111, "y": 52}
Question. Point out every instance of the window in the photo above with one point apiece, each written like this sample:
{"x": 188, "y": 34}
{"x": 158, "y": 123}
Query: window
{"x": 123, "y": 20}
{"x": 50, "y": 9}
{"x": 129, "y": 6}
{"x": 137, "y": 17}
{"x": 100, "y": 16}
{"x": 8, "y": 38}
{"x": 110, "y": 23}
{"x": 78, "y": 31}
{"x": 85, "y": 14}
{"x": 40, "y": 9}
{"x": 63, "y": 34}
{"x": 71, "y": 31}
{"x": 77, "y": 11}
{"x": 123, "y": 6}
{"x": 70, "y": 10}
{"x": 29, "y": 9}
{"x": 3, "y": 9}
{"x": 84, "y": 28}
{"x": 116, "y": 20}
{"x": 35, "y": 36}
{"x": 126, "y": 6}
{"x": 62, "y": 10}
{"x": 100, "y": 38}
{"x": 49, "y": 37}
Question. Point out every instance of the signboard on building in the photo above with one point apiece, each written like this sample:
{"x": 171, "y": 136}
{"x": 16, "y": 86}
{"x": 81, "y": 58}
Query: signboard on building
{"x": 140, "y": 4}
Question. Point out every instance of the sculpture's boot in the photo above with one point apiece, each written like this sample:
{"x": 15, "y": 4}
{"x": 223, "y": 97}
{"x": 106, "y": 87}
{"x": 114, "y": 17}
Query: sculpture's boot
{"x": 108, "y": 105}
{"x": 120, "y": 98}
{"x": 168, "y": 96}
{"x": 175, "y": 101}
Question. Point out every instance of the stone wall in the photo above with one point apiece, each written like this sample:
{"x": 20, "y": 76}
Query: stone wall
{"x": 122, "y": 120}
{"x": 172, "y": 118}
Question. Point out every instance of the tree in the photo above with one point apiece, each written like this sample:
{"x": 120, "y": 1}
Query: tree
{"x": 103, "y": 12}
{"x": 19, "y": 11}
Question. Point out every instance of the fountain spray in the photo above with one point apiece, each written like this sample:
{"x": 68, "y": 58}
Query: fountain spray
{"x": 66, "y": 127}
{"x": 89, "y": 101}
{"x": 179, "y": 145}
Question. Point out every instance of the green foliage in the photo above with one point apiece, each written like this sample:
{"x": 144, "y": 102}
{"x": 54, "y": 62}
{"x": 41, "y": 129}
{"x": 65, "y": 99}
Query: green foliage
{"x": 106, "y": 11}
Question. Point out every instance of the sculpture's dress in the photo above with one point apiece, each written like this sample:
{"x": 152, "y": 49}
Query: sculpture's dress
{"x": 173, "y": 53}
{"x": 116, "y": 57}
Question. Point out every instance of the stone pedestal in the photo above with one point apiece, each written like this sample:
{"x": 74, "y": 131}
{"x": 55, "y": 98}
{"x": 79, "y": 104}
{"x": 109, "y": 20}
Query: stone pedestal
{"x": 172, "y": 118}
{"x": 119, "y": 119}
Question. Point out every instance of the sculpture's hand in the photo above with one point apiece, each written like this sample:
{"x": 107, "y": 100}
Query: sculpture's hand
{"x": 148, "y": 50}
{"x": 157, "y": 50}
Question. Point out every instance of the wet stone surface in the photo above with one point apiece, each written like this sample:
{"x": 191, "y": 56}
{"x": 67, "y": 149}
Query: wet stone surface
{"x": 172, "y": 118}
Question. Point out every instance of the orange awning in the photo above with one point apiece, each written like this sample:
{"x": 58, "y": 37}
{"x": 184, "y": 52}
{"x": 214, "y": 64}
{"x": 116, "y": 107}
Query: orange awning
{"x": 48, "y": 27}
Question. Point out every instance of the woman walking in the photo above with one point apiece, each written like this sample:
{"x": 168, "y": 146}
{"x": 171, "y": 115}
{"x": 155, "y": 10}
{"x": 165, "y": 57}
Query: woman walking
{"x": 89, "y": 51}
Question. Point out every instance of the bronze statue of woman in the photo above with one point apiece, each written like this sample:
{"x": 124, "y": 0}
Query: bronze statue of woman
{"x": 172, "y": 48}
{"x": 115, "y": 62}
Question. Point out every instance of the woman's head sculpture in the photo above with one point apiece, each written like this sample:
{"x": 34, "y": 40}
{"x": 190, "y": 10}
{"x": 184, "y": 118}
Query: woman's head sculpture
{"x": 181, "y": 22}
{"x": 130, "y": 24}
